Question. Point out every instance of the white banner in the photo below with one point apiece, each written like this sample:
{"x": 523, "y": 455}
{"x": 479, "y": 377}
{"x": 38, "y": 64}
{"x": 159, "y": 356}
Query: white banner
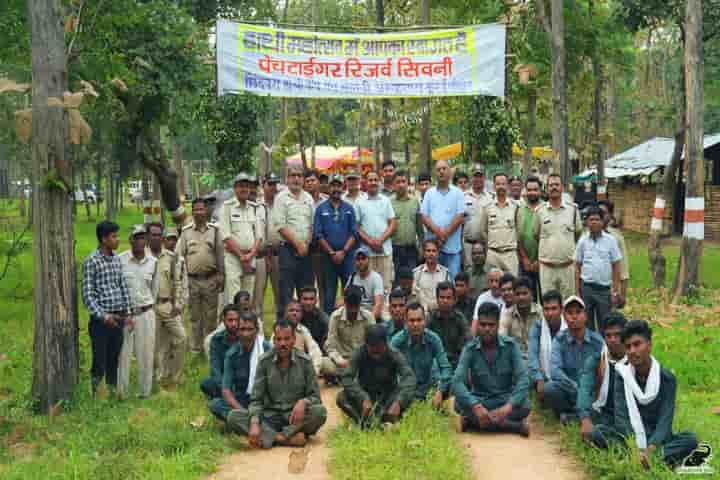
{"x": 294, "y": 63}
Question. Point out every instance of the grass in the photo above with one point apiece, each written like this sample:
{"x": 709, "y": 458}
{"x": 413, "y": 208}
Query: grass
{"x": 422, "y": 446}
{"x": 154, "y": 438}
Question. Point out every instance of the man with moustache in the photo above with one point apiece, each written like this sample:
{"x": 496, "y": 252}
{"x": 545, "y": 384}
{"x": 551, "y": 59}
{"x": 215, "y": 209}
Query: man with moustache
{"x": 492, "y": 295}
{"x": 516, "y": 321}
{"x": 542, "y": 333}
{"x": 498, "y": 228}
{"x": 571, "y": 349}
{"x": 312, "y": 186}
{"x": 409, "y": 227}
{"x": 478, "y": 270}
{"x": 388, "y": 173}
{"x": 427, "y": 276}
{"x": 398, "y": 312}
{"x": 475, "y": 199}
{"x": 449, "y": 323}
{"x": 354, "y": 193}
{"x": 220, "y": 344}
{"x": 267, "y": 266}
{"x": 491, "y": 381}
{"x": 527, "y": 243}
{"x": 334, "y": 228}
{"x": 285, "y": 406}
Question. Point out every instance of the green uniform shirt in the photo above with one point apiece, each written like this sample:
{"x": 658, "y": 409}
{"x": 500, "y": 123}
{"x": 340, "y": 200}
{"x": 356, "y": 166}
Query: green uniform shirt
{"x": 406, "y": 216}
{"x": 276, "y": 391}
{"x": 236, "y": 373}
{"x": 492, "y": 384}
{"x": 478, "y": 279}
{"x": 219, "y": 346}
{"x": 428, "y": 360}
{"x": 526, "y": 220}
{"x": 454, "y": 333}
{"x": 389, "y": 379}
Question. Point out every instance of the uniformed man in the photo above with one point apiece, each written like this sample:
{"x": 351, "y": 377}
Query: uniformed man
{"x": 292, "y": 218}
{"x": 267, "y": 260}
{"x": 201, "y": 247}
{"x": 154, "y": 243}
{"x": 449, "y": 323}
{"x": 139, "y": 270}
{"x": 516, "y": 190}
{"x": 475, "y": 199}
{"x": 557, "y": 227}
{"x": 379, "y": 384}
{"x": 240, "y": 362}
{"x": 499, "y": 229}
{"x": 427, "y": 276}
{"x": 347, "y": 328}
{"x": 242, "y": 229}
{"x": 170, "y": 300}
{"x": 285, "y": 406}
{"x": 220, "y": 343}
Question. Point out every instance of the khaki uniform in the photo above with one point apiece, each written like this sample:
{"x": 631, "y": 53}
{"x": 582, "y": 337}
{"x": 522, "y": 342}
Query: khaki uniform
{"x": 267, "y": 265}
{"x": 474, "y": 203}
{"x": 556, "y": 230}
{"x": 513, "y": 325}
{"x": 425, "y": 284}
{"x": 203, "y": 251}
{"x": 499, "y": 230}
{"x": 245, "y": 225}
{"x": 170, "y": 297}
{"x": 345, "y": 336}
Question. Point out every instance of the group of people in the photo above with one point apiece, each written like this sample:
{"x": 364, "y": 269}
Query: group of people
{"x": 448, "y": 291}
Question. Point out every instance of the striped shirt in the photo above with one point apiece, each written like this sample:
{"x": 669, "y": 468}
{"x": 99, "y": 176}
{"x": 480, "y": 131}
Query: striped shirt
{"x": 104, "y": 288}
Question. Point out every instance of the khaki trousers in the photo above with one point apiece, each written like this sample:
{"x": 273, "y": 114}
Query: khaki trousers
{"x": 383, "y": 265}
{"x": 203, "y": 302}
{"x": 170, "y": 348}
{"x": 261, "y": 280}
{"x": 505, "y": 261}
{"x": 140, "y": 340}
{"x": 236, "y": 280}
{"x": 561, "y": 279}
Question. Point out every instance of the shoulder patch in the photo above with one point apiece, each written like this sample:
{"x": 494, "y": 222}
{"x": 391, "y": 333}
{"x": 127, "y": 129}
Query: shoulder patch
{"x": 188, "y": 226}
{"x": 303, "y": 355}
{"x": 229, "y": 201}
{"x": 268, "y": 354}
{"x": 211, "y": 224}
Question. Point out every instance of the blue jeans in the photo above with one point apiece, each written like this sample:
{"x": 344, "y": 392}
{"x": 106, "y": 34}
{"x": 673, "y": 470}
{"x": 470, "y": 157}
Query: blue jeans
{"x": 333, "y": 273}
{"x": 451, "y": 261}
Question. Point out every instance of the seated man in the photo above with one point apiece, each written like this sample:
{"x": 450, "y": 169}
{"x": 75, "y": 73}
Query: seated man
{"x": 448, "y": 323}
{"x": 540, "y": 339}
{"x": 465, "y": 301}
{"x": 645, "y": 402}
{"x": 424, "y": 351}
{"x": 313, "y": 318}
{"x": 220, "y": 343}
{"x": 405, "y": 283}
{"x": 379, "y": 384}
{"x": 285, "y": 406}
{"x": 492, "y": 294}
{"x": 571, "y": 349}
{"x": 596, "y": 387}
{"x": 303, "y": 339}
{"x": 427, "y": 276}
{"x": 398, "y": 313}
{"x": 369, "y": 282}
{"x": 243, "y": 301}
{"x": 507, "y": 289}
{"x": 515, "y": 321}
{"x": 347, "y": 329}
{"x": 240, "y": 362}
{"x": 491, "y": 380}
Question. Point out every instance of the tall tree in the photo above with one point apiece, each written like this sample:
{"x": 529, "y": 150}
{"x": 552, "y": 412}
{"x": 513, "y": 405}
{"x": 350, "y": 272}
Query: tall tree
{"x": 55, "y": 354}
{"x": 425, "y": 138}
{"x": 386, "y": 138}
{"x": 688, "y": 276}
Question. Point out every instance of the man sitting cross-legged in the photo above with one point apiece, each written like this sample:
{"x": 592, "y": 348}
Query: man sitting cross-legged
{"x": 424, "y": 351}
{"x": 449, "y": 323}
{"x": 219, "y": 345}
{"x": 398, "y": 312}
{"x": 285, "y": 406}
{"x": 240, "y": 365}
{"x": 491, "y": 380}
{"x": 379, "y": 384}
{"x": 645, "y": 402}
{"x": 540, "y": 338}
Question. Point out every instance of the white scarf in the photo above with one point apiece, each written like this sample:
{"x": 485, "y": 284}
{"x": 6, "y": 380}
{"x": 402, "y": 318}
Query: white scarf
{"x": 601, "y": 400}
{"x": 254, "y": 357}
{"x": 634, "y": 394}
{"x": 546, "y": 344}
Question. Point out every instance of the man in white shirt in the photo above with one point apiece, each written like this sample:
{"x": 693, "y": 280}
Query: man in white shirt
{"x": 492, "y": 295}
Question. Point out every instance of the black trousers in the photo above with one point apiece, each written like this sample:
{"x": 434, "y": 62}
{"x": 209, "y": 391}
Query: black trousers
{"x": 295, "y": 273}
{"x": 404, "y": 256}
{"x": 106, "y": 343}
{"x": 534, "y": 278}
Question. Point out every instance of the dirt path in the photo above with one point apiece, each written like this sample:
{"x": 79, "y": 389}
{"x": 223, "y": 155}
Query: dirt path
{"x": 510, "y": 457}
{"x": 274, "y": 464}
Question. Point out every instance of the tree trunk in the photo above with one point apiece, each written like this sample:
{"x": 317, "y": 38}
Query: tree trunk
{"x": 301, "y": 135}
{"x": 83, "y": 181}
{"x": 559, "y": 87}
{"x": 530, "y": 131}
{"x": 179, "y": 168}
{"x": 687, "y": 279}
{"x": 110, "y": 197}
{"x": 425, "y": 138}
{"x": 385, "y": 124}
{"x": 56, "y": 350}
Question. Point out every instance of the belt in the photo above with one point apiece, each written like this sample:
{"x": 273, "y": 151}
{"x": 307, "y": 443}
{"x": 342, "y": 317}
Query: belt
{"x": 202, "y": 275}
{"x": 471, "y": 242}
{"x": 164, "y": 300}
{"x": 557, "y": 264}
{"x": 143, "y": 309}
{"x": 503, "y": 250}
{"x": 597, "y": 286}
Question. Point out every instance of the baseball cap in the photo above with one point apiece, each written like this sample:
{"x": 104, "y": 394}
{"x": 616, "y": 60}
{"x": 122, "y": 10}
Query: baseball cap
{"x": 337, "y": 178}
{"x": 272, "y": 178}
{"x": 362, "y": 251}
{"x": 171, "y": 232}
{"x": 253, "y": 179}
{"x": 478, "y": 169}
{"x": 573, "y": 299}
{"x": 352, "y": 174}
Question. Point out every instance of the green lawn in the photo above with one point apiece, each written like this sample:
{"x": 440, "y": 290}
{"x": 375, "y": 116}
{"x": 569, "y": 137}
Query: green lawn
{"x": 155, "y": 439}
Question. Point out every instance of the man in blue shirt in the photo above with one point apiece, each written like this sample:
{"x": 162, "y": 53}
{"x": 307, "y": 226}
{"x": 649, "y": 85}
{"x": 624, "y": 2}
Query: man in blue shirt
{"x": 236, "y": 384}
{"x": 540, "y": 338}
{"x": 571, "y": 349}
{"x": 424, "y": 351}
{"x": 491, "y": 380}
{"x": 443, "y": 213}
{"x": 597, "y": 270}
{"x": 334, "y": 228}
{"x": 220, "y": 343}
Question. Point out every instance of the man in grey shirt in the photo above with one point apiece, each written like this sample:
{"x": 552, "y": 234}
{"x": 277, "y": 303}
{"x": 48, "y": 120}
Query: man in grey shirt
{"x": 370, "y": 283}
